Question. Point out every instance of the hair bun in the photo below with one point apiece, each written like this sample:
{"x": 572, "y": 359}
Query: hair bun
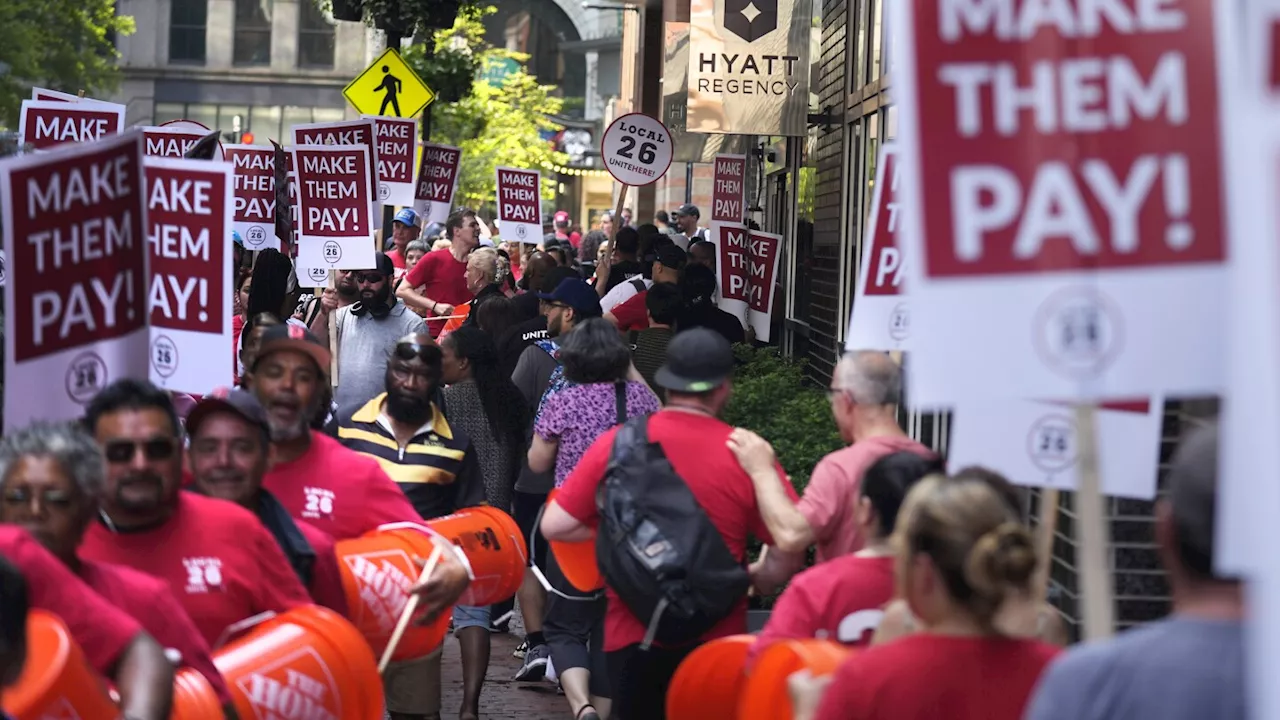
{"x": 1001, "y": 559}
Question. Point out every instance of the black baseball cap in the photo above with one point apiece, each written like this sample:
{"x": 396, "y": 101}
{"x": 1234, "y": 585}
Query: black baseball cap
{"x": 577, "y": 294}
{"x": 671, "y": 256}
{"x": 698, "y": 360}
{"x": 688, "y": 209}
{"x": 292, "y": 337}
{"x": 239, "y": 402}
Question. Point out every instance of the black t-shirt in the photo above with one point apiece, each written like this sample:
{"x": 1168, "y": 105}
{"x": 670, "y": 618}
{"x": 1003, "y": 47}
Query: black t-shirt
{"x": 713, "y": 318}
{"x": 620, "y": 271}
{"x": 515, "y": 339}
{"x": 526, "y": 305}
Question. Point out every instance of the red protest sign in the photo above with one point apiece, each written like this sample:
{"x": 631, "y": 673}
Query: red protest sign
{"x": 1066, "y": 140}
{"x": 254, "y": 207}
{"x": 333, "y": 206}
{"x": 729, "y": 188}
{"x": 170, "y": 142}
{"x": 747, "y": 264}
{"x": 353, "y": 132}
{"x": 882, "y": 265}
{"x": 520, "y": 204}
{"x": 396, "y": 142}
{"x": 44, "y": 124}
{"x": 438, "y": 174}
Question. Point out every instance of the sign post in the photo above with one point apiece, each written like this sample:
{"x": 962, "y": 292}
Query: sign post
{"x": 388, "y": 87}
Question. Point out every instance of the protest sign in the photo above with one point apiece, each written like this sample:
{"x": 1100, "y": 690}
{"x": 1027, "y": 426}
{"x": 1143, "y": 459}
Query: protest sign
{"x": 170, "y": 142}
{"x": 729, "y": 189}
{"x": 1036, "y": 443}
{"x": 437, "y": 182}
{"x": 46, "y": 95}
{"x": 1051, "y": 220}
{"x": 746, "y": 269}
{"x": 881, "y": 319}
{"x": 636, "y": 149}
{"x": 189, "y": 208}
{"x": 74, "y": 238}
{"x": 253, "y": 212}
{"x": 45, "y": 124}
{"x": 351, "y": 132}
{"x": 333, "y": 200}
{"x": 520, "y": 205}
{"x": 396, "y": 139}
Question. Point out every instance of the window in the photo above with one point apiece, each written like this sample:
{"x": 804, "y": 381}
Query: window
{"x": 315, "y": 37}
{"x": 253, "y": 33}
{"x": 186, "y": 30}
{"x": 875, "y": 32}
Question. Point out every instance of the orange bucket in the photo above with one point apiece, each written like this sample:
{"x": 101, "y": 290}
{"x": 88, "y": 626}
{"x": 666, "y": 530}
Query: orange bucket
{"x": 495, "y": 548}
{"x": 707, "y": 684}
{"x": 577, "y": 561}
{"x": 377, "y": 570}
{"x": 193, "y": 697}
{"x": 765, "y": 695}
{"x": 57, "y": 681}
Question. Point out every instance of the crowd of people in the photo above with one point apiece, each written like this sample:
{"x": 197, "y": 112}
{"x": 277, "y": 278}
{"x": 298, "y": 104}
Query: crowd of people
{"x": 472, "y": 372}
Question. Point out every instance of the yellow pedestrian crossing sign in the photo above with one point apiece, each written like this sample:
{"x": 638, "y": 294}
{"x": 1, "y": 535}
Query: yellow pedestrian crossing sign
{"x": 389, "y": 87}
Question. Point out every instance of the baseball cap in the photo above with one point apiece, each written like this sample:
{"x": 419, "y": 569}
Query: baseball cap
{"x": 671, "y": 256}
{"x": 577, "y": 294}
{"x": 688, "y": 209}
{"x": 406, "y": 216}
{"x": 698, "y": 360}
{"x": 239, "y": 402}
{"x": 235, "y": 238}
{"x": 295, "y": 338}
{"x": 384, "y": 264}
{"x": 561, "y": 217}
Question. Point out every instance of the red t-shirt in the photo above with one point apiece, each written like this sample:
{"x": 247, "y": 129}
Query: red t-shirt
{"x": 101, "y": 629}
{"x": 695, "y": 445}
{"x": 217, "y": 557}
{"x": 632, "y": 313}
{"x": 840, "y": 600}
{"x": 338, "y": 491}
{"x": 442, "y": 278}
{"x": 149, "y": 601}
{"x": 237, "y": 326}
{"x": 937, "y": 677}
{"x": 326, "y": 579}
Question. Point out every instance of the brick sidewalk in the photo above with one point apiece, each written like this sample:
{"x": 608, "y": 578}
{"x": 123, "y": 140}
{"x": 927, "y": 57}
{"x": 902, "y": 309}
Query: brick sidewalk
{"x": 502, "y": 699}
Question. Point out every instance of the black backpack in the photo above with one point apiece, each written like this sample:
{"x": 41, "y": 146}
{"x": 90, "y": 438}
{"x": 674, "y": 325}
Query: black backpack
{"x": 656, "y": 547}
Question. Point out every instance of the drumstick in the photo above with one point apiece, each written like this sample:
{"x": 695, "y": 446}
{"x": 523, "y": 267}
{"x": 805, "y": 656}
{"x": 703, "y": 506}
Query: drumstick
{"x": 407, "y": 614}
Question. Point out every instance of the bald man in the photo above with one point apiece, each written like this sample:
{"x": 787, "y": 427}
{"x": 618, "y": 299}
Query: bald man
{"x": 536, "y": 267}
{"x": 865, "y": 390}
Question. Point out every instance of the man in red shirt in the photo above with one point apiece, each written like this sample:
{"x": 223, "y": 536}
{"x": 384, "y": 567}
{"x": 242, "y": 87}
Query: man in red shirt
{"x": 230, "y": 450}
{"x": 404, "y": 230}
{"x": 112, "y": 642}
{"x": 51, "y": 479}
{"x": 315, "y": 478}
{"x": 217, "y": 558}
{"x": 697, "y": 379}
{"x": 632, "y": 314}
{"x": 442, "y": 273}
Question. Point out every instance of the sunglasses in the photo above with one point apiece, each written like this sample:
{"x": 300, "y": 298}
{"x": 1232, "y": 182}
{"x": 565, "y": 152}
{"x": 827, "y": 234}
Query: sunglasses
{"x": 409, "y": 350}
{"x": 60, "y": 499}
{"x": 122, "y": 451}
{"x": 369, "y": 278}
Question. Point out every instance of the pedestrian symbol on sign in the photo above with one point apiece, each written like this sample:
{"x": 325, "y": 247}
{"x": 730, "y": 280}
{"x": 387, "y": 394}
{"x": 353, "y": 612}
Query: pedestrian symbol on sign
{"x": 391, "y": 88}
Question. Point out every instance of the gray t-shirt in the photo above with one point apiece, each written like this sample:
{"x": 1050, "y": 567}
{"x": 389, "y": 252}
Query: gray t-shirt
{"x": 1179, "y": 668}
{"x": 363, "y": 345}
{"x": 532, "y": 375}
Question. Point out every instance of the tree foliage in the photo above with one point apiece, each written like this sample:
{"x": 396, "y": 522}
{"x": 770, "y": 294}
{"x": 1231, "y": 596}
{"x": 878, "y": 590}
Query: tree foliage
{"x": 492, "y": 125}
{"x": 60, "y": 44}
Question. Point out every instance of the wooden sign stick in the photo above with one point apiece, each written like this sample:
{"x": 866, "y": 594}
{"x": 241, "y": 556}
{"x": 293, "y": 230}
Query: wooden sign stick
{"x": 333, "y": 333}
{"x": 1048, "y": 527}
{"x": 1095, "y": 574}
{"x": 409, "y": 609}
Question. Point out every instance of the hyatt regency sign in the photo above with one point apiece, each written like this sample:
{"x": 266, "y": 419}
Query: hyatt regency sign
{"x": 749, "y": 66}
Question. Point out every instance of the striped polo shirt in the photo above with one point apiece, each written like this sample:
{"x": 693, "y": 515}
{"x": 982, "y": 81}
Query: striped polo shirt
{"x": 437, "y": 469}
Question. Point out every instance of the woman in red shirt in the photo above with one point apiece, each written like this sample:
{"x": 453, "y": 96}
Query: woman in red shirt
{"x": 961, "y": 551}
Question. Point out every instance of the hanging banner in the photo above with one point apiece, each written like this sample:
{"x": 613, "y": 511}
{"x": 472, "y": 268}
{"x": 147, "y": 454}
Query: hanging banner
{"x": 729, "y": 189}
{"x": 333, "y": 200}
{"x": 254, "y": 207}
{"x": 396, "y": 138}
{"x": 747, "y": 269}
{"x": 189, "y": 210}
{"x": 437, "y": 182}
{"x": 1035, "y": 443}
{"x": 351, "y": 132}
{"x": 1052, "y": 219}
{"x": 74, "y": 239}
{"x": 749, "y": 67}
{"x": 881, "y": 319}
{"x": 44, "y": 125}
{"x": 519, "y": 205}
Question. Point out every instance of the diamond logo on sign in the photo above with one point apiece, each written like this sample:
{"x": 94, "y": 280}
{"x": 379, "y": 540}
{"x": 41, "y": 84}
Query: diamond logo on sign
{"x": 389, "y": 87}
{"x": 751, "y": 20}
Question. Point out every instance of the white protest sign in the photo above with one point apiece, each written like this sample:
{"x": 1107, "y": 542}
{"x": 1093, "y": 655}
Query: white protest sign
{"x": 189, "y": 294}
{"x": 1063, "y": 196}
{"x": 44, "y": 125}
{"x": 254, "y": 211}
{"x": 350, "y": 132}
{"x": 636, "y": 149}
{"x": 76, "y": 306}
{"x": 437, "y": 182}
{"x": 396, "y": 140}
{"x": 1035, "y": 443}
{"x": 333, "y": 188}
{"x": 746, "y": 271}
{"x": 520, "y": 204}
{"x": 881, "y": 318}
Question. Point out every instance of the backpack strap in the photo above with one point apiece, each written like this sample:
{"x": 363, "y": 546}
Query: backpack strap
{"x": 542, "y": 578}
{"x": 620, "y": 388}
{"x": 638, "y": 284}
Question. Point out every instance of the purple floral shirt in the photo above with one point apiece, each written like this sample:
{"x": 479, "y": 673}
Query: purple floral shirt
{"x": 578, "y": 414}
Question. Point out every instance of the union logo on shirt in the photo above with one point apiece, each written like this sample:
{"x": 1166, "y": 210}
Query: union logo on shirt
{"x": 319, "y": 503}
{"x": 203, "y": 574}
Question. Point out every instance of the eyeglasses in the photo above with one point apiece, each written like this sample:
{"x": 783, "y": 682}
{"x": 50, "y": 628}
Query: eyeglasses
{"x": 122, "y": 451}
{"x": 369, "y": 278}
{"x": 833, "y": 393}
{"x": 54, "y": 498}
{"x": 409, "y": 350}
